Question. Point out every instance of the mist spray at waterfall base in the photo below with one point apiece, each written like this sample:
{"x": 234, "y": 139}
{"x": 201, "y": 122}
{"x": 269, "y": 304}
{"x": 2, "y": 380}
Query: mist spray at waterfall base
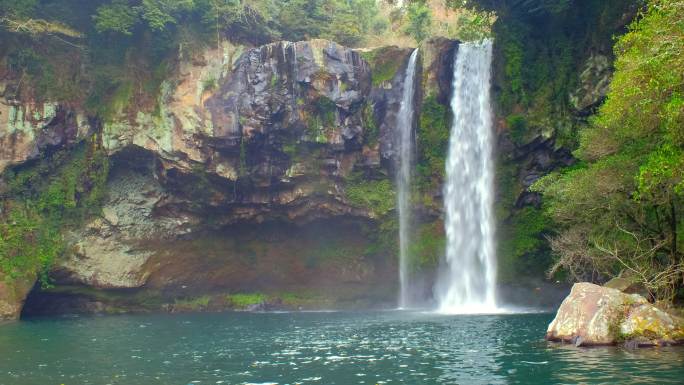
{"x": 467, "y": 283}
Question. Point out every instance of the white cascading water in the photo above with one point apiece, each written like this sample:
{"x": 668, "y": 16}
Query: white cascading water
{"x": 468, "y": 286}
{"x": 405, "y": 150}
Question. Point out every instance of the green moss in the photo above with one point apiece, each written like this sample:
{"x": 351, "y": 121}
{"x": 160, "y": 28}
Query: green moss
{"x": 522, "y": 247}
{"x": 433, "y": 140}
{"x": 321, "y": 118}
{"x": 508, "y": 188}
{"x": 109, "y": 98}
{"x": 41, "y": 200}
{"x": 244, "y": 300}
{"x": 193, "y": 304}
{"x": 384, "y": 64}
{"x": 327, "y": 110}
{"x": 510, "y": 39}
{"x": 49, "y": 75}
{"x": 242, "y": 169}
{"x": 427, "y": 246}
{"x": 209, "y": 84}
{"x": 291, "y": 150}
{"x": 378, "y": 196}
{"x": 299, "y": 299}
{"x": 517, "y": 128}
{"x": 330, "y": 249}
{"x": 370, "y": 127}
{"x": 384, "y": 238}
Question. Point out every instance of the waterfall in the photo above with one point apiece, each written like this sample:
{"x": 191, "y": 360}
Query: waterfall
{"x": 405, "y": 151}
{"x": 468, "y": 284}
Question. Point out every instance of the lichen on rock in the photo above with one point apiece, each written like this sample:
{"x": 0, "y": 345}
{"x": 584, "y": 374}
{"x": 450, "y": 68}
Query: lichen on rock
{"x": 594, "y": 315}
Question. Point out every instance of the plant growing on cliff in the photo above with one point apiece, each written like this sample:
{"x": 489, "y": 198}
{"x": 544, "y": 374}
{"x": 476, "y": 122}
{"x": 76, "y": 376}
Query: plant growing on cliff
{"x": 377, "y": 196}
{"x": 433, "y": 140}
{"x": 61, "y": 190}
{"x": 384, "y": 65}
{"x": 622, "y": 208}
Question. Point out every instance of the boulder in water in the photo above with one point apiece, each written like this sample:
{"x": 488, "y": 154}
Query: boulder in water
{"x": 593, "y": 315}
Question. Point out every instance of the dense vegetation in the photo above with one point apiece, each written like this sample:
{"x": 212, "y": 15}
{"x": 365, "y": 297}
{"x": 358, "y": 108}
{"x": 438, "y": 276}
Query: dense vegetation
{"x": 40, "y": 201}
{"x": 105, "y": 55}
{"x": 619, "y": 211}
{"x": 541, "y": 47}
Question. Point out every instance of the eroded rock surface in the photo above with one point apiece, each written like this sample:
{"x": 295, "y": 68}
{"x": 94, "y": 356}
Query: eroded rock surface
{"x": 596, "y": 315}
{"x": 12, "y": 296}
{"x": 239, "y": 140}
{"x": 594, "y": 81}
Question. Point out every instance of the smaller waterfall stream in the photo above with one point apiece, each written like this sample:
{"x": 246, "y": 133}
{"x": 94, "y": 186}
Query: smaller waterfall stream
{"x": 405, "y": 151}
{"x": 468, "y": 284}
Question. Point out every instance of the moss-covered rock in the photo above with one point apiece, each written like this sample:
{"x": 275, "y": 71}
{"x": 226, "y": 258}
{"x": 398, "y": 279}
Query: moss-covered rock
{"x": 385, "y": 63}
{"x": 647, "y": 325}
{"x": 595, "y": 315}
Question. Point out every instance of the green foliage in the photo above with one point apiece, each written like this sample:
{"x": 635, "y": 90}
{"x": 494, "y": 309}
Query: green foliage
{"x": 384, "y": 64}
{"x": 244, "y": 300}
{"x": 628, "y": 193}
{"x": 517, "y": 127}
{"x": 384, "y": 238}
{"x": 39, "y": 72}
{"x": 112, "y": 92}
{"x": 252, "y": 20}
{"x": 115, "y": 55}
{"x": 160, "y": 13}
{"x": 40, "y": 200}
{"x": 508, "y": 188}
{"x": 378, "y": 196}
{"x": 519, "y": 7}
{"x": 522, "y": 248}
{"x": 433, "y": 139}
{"x": 427, "y": 246}
{"x": 18, "y": 8}
{"x": 330, "y": 249}
{"x": 542, "y": 45}
{"x": 326, "y": 109}
{"x": 321, "y": 118}
{"x": 345, "y": 21}
{"x": 474, "y": 26}
{"x": 193, "y": 304}
{"x": 118, "y": 16}
{"x": 513, "y": 50}
{"x": 419, "y": 20}
{"x": 371, "y": 131}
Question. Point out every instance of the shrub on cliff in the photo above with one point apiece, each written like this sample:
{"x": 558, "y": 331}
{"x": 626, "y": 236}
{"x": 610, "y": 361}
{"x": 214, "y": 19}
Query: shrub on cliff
{"x": 622, "y": 209}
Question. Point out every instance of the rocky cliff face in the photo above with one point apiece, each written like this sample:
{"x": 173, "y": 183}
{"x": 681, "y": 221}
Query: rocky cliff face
{"x": 250, "y": 174}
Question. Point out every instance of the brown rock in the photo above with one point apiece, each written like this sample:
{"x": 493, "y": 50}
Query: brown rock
{"x": 595, "y": 315}
{"x": 12, "y": 295}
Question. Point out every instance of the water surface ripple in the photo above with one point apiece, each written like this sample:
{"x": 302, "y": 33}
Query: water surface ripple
{"x": 315, "y": 348}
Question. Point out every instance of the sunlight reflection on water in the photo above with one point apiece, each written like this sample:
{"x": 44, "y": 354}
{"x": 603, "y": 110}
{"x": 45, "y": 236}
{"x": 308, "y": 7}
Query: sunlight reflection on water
{"x": 315, "y": 348}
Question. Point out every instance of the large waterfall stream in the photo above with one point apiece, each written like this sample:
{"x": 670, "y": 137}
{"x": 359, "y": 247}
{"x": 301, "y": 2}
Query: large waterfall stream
{"x": 405, "y": 149}
{"x": 468, "y": 283}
